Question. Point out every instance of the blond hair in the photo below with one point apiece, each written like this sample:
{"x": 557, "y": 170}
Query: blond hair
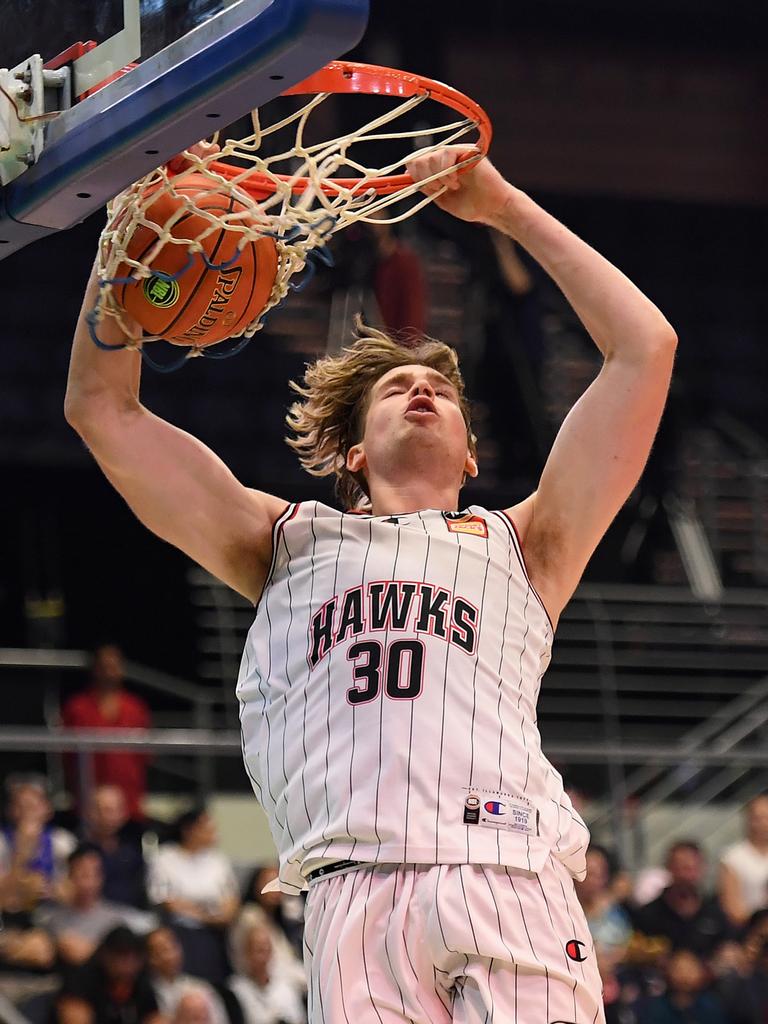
{"x": 330, "y": 417}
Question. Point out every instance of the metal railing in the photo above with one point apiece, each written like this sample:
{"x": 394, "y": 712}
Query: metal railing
{"x": 201, "y": 700}
{"x": 724, "y": 475}
{"x": 228, "y": 743}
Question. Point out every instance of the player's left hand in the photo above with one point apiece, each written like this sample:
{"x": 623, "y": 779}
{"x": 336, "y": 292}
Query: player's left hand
{"x": 473, "y": 194}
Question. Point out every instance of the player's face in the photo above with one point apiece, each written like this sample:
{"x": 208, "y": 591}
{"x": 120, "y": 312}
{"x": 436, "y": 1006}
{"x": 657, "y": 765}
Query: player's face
{"x": 413, "y": 412}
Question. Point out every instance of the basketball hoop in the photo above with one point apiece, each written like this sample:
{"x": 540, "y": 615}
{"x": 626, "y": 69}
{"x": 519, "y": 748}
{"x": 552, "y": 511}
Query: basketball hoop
{"x": 297, "y": 197}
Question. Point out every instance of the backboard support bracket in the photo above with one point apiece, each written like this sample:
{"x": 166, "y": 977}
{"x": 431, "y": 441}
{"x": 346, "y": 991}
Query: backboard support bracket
{"x": 105, "y": 60}
{"x": 29, "y": 92}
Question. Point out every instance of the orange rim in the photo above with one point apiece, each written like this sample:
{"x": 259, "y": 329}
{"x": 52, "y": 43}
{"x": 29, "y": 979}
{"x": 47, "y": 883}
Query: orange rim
{"x": 367, "y": 79}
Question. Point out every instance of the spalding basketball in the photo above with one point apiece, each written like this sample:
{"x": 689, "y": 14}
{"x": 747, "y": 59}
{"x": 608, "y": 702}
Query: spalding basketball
{"x": 202, "y": 305}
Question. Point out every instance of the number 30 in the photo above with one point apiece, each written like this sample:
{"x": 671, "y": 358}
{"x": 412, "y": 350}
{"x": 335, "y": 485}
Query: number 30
{"x": 368, "y": 656}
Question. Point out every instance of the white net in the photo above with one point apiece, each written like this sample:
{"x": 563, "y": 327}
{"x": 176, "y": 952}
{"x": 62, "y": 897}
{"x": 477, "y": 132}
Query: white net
{"x": 294, "y": 196}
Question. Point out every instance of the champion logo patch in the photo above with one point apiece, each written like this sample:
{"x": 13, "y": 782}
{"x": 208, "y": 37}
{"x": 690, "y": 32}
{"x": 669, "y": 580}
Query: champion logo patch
{"x": 574, "y": 949}
{"x": 494, "y": 807}
{"x": 458, "y": 522}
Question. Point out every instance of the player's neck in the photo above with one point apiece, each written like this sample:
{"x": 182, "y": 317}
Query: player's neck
{"x": 388, "y": 498}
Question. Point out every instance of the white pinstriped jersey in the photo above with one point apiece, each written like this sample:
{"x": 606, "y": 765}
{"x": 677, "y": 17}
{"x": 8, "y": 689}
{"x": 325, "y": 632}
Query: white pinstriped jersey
{"x": 388, "y": 694}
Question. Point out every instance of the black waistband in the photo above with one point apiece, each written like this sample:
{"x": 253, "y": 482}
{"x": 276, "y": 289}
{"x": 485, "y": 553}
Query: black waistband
{"x": 332, "y": 869}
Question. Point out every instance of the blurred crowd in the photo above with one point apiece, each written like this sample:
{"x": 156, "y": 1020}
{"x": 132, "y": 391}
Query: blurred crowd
{"x": 112, "y": 926}
{"x": 120, "y": 919}
{"x": 672, "y": 950}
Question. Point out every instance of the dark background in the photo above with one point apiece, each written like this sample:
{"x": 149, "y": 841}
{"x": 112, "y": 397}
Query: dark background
{"x": 640, "y": 125}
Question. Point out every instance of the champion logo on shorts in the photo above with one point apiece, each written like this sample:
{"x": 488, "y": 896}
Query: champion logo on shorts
{"x": 465, "y": 522}
{"x": 574, "y": 950}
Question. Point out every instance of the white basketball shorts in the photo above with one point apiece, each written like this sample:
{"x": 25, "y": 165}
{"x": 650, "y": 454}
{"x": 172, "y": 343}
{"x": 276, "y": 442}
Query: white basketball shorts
{"x": 433, "y": 944}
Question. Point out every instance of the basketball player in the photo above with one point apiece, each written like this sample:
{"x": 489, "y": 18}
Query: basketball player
{"x": 389, "y": 683}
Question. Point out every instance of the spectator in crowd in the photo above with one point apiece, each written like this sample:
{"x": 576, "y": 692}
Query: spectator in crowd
{"x": 112, "y": 987}
{"x": 398, "y": 280}
{"x": 265, "y": 996}
{"x": 33, "y": 853}
{"x": 281, "y": 915}
{"x": 683, "y": 914}
{"x": 171, "y": 984}
{"x": 194, "y": 1007}
{"x": 743, "y": 980}
{"x": 685, "y": 1000}
{"x": 118, "y": 840}
{"x": 27, "y": 955}
{"x": 106, "y": 704}
{"x": 78, "y": 925}
{"x": 755, "y": 935}
{"x": 193, "y": 881}
{"x": 743, "y": 881}
{"x": 27, "y": 960}
{"x": 608, "y": 922}
{"x": 32, "y": 857}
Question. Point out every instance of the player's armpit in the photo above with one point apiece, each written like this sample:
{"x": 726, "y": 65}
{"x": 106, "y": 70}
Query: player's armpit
{"x": 184, "y": 493}
{"x": 595, "y": 463}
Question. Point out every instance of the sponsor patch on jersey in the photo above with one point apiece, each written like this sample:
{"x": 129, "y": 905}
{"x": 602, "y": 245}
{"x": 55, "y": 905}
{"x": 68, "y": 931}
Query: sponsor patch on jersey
{"x": 465, "y": 522}
{"x": 496, "y": 809}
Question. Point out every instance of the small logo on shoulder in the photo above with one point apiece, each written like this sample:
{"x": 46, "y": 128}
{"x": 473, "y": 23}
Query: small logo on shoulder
{"x": 465, "y": 522}
{"x": 574, "y": 950}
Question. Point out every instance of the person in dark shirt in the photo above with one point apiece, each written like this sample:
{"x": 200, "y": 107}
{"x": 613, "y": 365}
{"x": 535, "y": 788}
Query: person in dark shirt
{"x": 119, "y": 842}
{"x": 743, "y": 986}
{"x": 683, "y": 914}
{"x": 112, "y": 987}
{"x": 685, "y": 1001}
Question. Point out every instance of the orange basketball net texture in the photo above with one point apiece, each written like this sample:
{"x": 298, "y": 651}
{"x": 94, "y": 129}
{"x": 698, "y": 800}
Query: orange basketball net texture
{"x": 303, "y": 195}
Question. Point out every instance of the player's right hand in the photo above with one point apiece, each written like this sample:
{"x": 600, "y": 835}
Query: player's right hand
{"x": 475, "y": 193}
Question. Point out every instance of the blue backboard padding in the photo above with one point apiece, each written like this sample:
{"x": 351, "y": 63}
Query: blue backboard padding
{"x": 99, "y": 146}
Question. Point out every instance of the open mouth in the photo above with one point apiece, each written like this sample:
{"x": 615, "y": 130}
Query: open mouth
{"x": 421, "y": 405}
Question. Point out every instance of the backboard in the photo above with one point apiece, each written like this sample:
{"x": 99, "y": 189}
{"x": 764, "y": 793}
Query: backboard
{"x": 192, "y": 66}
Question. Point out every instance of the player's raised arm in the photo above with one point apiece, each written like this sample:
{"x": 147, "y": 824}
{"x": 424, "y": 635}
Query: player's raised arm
{"x": 176, "y": 486}
{"x": 605, "y": 440}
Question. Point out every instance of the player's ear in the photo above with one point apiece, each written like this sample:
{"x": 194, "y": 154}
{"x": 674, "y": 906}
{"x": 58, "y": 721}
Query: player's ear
{"x": 470, "y": 466}
{"x": 356, "y": 461}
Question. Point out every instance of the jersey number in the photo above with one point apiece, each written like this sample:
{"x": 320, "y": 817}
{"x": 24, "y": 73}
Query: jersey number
{"x": 403, "y": 671}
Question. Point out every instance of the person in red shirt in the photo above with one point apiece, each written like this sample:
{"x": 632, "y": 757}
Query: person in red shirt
{"x": 398, "y": 282}
{"x": 106, "y": 704}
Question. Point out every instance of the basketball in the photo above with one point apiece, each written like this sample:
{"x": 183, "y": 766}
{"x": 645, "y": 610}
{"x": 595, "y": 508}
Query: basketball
{"x": 203, "y": 304}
